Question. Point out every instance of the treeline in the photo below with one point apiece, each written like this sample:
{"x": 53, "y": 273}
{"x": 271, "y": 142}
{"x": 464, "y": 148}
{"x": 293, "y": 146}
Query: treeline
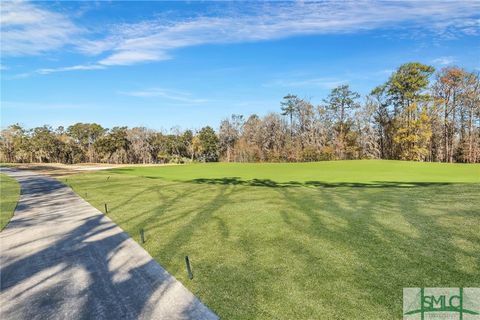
{"x": 90, "y": 142}
{"x": 418, "y": 114}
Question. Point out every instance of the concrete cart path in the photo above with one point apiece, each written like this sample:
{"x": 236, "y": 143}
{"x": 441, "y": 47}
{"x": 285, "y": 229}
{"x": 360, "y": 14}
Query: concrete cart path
{"x": 63, "y": 259}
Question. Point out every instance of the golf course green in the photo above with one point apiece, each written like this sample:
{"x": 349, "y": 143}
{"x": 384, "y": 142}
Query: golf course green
{"x": 9, "y": 194}
{"x": 335, "y": 240}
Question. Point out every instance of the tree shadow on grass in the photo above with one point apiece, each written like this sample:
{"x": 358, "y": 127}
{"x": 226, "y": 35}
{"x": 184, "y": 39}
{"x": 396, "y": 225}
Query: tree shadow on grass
{"x": 318, "y": 184}
{"x": 197, "y": 220}
{"x": 384, "y": 260}
{"x": 379, "y": 259}
{"x": 77, "y": 274}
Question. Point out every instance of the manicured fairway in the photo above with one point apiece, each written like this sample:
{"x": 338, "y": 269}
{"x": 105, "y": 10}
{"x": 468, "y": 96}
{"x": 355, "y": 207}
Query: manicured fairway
{"x": 302, "y": 241}
{"x": 9, "y": 194}
{"x": 328, "y": 172}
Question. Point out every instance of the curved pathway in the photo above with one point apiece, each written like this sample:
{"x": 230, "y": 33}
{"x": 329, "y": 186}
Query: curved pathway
{"x": 63, "y": 259}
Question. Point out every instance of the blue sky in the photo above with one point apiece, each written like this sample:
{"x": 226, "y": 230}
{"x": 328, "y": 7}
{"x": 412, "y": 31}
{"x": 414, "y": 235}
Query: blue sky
{"x": 190, "y": 64}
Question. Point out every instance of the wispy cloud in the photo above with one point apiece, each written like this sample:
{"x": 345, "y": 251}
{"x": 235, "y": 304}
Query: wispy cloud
{"x": 443, "y": 61}
{"x": 173, "y": 95}
{"x": 43, "y": 71}
{"x": 27, "y": 29}
{"x": 72, "y": 68}
{"x": 154, "y": 40}
{"x": 31, "y": 29}
{"x": 129, "y": 57}
{"x": 306, "y": 80}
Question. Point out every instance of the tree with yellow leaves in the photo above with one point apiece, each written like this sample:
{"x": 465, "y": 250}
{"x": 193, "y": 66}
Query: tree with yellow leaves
{"x": 414, "y": 136}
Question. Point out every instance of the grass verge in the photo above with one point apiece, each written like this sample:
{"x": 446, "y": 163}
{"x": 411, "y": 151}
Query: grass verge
{"x": 9, "y": 195}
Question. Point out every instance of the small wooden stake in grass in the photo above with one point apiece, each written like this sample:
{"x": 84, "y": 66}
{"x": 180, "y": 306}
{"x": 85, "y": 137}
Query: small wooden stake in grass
{"x": 142, "y": 235}
{"x": 106, "y": 208}
{"x": 189, "y": 269}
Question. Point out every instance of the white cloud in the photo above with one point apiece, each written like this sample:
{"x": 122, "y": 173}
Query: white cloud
{"x": 27, "y": 29}
{"x": 31, "y": 29}
{"x": 44, "y": 71}
{"x": 154, "y": 40}
{"x": 444, "y": 60}
{"x": 178, "y": 96}
{"x": 129, "y": 57}
{"x": 72, "y": 68}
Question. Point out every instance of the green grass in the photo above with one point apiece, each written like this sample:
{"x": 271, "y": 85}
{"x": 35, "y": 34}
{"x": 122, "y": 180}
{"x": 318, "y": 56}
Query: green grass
{"x": 356, "y": 171}
{"x": 9, "y": 194}
{"x": 302, "y": 241}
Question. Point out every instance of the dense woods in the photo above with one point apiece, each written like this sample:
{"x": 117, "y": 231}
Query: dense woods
{"x": 418, "y": 114}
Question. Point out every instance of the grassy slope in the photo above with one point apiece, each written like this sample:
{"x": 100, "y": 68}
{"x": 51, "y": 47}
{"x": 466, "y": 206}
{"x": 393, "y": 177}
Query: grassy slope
{"x": 9, "y": 194}
{"x": 302, "y": 251}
